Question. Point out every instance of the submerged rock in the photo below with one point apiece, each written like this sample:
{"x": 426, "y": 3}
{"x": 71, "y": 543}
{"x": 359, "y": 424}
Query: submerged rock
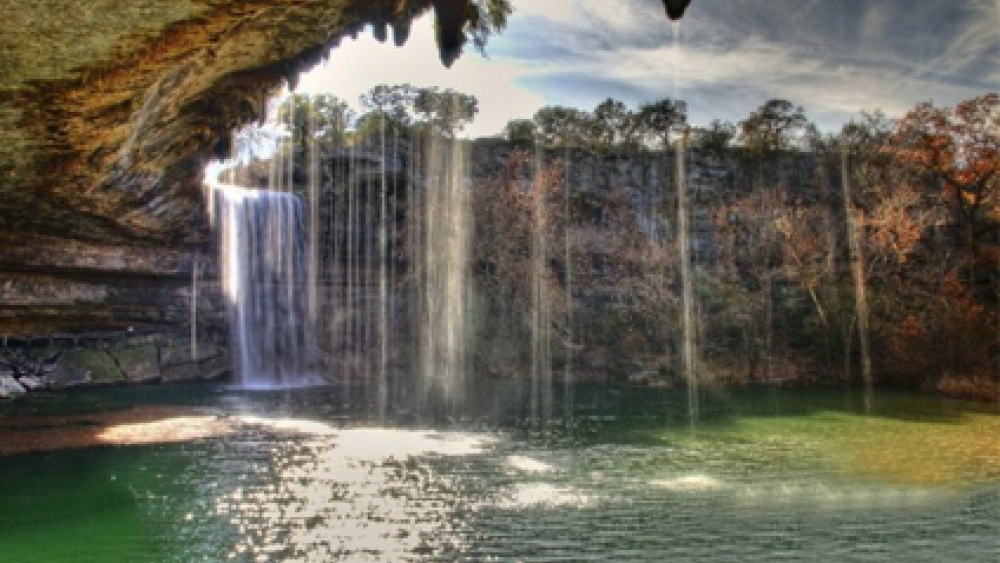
{"x": 10, "y": 388}
{"x": 32, "y": 383}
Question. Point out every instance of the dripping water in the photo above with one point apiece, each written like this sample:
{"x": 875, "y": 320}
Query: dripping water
{"x": 383, "y": 285}
{"x": 860, "y": 284}
{"x": 567, "y": 210}
{"x": 541, "y": 301}
{"x": 445, "y": 269}
{"x": 689, "y": 353}
{"x": 688, "y": 328}
{"x": 194, "y": 308}
{"x": 313, "y": 193}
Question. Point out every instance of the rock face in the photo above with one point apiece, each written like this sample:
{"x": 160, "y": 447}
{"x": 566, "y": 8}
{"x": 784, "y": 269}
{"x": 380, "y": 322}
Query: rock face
{"x": 111, "y": 359}
{"x": 109, "y": 111}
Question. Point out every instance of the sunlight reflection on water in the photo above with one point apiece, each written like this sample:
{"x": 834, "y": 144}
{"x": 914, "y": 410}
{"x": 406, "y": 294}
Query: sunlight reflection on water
{"x": 353, "y": 491}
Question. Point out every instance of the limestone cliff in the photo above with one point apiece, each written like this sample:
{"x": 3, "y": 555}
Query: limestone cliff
{"x": 109, "y": 110}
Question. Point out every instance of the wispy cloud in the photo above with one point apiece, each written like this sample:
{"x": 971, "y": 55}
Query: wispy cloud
{"x": 833, "y": 57}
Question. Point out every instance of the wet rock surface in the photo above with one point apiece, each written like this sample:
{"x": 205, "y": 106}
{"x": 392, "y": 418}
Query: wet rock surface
{"x": 10, "y": 388}
{"x": 109, "y": 359}
{"x": 109, "y": 112}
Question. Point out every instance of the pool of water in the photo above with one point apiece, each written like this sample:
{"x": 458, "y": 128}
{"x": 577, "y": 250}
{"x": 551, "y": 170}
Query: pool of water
{"x": 616, "y": 474}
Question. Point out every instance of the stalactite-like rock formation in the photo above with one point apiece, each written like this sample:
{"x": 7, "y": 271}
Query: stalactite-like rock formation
{"x": 676, "y": 8}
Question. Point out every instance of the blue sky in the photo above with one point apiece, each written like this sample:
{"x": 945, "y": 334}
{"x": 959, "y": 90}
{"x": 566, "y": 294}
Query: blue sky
{"x": 834, "y": 57}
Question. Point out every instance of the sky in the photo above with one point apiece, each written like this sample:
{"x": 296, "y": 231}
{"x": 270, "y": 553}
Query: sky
{"x": 834, "y": 57}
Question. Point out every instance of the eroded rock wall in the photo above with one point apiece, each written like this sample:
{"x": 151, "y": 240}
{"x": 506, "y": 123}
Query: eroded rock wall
{"x": 109, "y": 111}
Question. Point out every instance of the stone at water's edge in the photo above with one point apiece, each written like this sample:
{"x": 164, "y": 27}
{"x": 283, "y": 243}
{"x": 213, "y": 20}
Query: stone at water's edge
{"x": 10, "y": 388}
{"x": 32, "y": 383}
{"x": 86, "y": 365}
{"x": 213, "y": 362}
{"x": 128, "y": 360}
{"x": 140, "y": 363}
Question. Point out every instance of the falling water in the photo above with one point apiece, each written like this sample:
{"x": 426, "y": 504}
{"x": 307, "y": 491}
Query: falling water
{"x": 677, "y": 54}
{"x": 446, "y": 245}
{"x": 860, "y": 284}
{"x": 383, "y": 283}
{"x": 541, "y": 301}
{"x": 194, "y": 308}
{"x": 262, "y": 256}
{"x": 313, "y": 192}
{"x": 688, "y": 351}
{"x": 688, "y": 322}
{"x": 567, "y": 209}
{"x": 352, "y": 255}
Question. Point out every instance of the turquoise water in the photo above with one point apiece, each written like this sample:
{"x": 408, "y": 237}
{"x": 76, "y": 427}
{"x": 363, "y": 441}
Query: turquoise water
{"x": 309, "y": 475}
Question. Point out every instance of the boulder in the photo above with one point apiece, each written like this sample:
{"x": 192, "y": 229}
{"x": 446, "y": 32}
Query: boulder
{"x": 212, "y": 362}
{"x": 10, "y": 388}
{"x": 86, "y": 366}
{"x": 140, "y": 364}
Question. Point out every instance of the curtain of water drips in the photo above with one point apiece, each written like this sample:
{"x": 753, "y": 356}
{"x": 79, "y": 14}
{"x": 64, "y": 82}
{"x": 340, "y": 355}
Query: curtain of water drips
{"x": 568, "y": 370}
{"x": 445, "y": 271}
{"x": 688, "y": 328}
{"x": 860, "y": 281}
{"x": 383, "y": 285}
{"x": 194, "y": 308}
{"x": 541, "y": 301}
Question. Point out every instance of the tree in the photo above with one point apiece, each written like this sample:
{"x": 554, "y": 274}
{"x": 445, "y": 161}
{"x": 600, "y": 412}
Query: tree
{"x": 521, "y": 131}
{"x": 959, "y": 148}
{"x": 658, "y": 121}
{"x": 445, "y": 111}
{"x": 611, "y": 123}
{"x": 715, "y": 139}
{"x": 773, "y": 127}
{"x": 562, "y": 126}
{"x": 323, "y": 116}
{"x": 391, "y": 106}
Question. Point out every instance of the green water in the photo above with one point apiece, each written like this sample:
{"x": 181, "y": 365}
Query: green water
{"x": 619, "y": 475}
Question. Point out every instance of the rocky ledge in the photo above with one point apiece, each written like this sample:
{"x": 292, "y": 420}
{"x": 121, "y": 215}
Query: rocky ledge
{"x": 61, "y": 362}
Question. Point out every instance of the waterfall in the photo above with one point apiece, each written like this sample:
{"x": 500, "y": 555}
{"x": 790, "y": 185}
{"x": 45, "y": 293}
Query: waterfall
{"x": 263, "y": 258}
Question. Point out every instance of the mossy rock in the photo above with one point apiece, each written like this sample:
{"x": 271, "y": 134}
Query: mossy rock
{"x": 87, "y": 366}
{"x": 139, "y": 363}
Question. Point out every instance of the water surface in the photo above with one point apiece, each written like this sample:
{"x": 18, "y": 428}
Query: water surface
{"x": 622, "y": 475}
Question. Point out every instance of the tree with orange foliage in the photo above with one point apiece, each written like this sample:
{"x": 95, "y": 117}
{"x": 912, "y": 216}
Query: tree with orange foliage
{"x": 960, "y": 148}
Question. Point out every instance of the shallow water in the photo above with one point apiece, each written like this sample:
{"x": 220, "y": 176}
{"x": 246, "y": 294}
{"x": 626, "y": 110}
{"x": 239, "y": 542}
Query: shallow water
{"x": 308, "y": 475}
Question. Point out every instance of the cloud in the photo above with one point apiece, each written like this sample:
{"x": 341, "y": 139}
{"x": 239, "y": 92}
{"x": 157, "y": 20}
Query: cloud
{"x": 833, "y": 57}
{"x": 836, "y": 58}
